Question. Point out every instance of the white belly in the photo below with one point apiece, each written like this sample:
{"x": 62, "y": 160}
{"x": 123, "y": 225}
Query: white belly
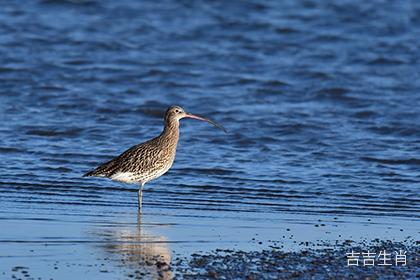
{"x": 125, "y": 177}
{"x": 135, "y": 178}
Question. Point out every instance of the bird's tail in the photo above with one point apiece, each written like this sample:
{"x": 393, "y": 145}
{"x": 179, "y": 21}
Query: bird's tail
{"x": 90, "y": 173}
{"x": 102, "y": 171}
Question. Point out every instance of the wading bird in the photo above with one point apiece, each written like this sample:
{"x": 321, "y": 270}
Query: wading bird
{"x": 151, "y": 159}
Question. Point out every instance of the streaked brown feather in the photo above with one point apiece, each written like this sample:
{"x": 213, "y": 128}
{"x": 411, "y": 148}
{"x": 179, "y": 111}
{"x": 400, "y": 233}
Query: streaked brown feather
{"x": 146, "y": 159}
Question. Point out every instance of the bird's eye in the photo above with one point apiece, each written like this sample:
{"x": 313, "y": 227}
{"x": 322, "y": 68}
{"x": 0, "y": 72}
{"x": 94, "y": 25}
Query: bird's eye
{"x": 177, "y": 111}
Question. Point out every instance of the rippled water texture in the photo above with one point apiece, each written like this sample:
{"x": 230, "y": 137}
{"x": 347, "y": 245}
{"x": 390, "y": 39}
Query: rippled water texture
{"x": 321, "y": 102}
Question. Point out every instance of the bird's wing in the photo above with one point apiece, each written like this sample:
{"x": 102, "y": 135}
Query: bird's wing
{"x": 135, "y": 159}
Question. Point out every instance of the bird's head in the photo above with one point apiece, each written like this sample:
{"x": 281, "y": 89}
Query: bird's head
{"x": 175, "y": 113}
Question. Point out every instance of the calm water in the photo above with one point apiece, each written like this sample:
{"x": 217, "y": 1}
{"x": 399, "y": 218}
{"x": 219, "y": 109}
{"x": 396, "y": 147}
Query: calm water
{"x": 321, "y": 102}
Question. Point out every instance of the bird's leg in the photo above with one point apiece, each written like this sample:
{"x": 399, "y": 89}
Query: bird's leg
{"x": 140, "y": 196}
{"x": 139, "y": 215}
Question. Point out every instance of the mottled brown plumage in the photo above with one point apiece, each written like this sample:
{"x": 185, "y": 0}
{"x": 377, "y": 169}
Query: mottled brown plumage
{"x": 149, "y": 160}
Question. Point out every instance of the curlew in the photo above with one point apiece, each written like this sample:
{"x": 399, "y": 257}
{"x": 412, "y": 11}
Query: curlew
{"x": 151, "y": 159}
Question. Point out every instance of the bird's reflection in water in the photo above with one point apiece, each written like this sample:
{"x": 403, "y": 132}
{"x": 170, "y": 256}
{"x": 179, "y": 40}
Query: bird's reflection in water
{"x": 146, "y": 256}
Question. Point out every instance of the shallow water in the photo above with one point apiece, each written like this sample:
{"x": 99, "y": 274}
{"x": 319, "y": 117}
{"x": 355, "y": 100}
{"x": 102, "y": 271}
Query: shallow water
{"x": 320, "y": 100}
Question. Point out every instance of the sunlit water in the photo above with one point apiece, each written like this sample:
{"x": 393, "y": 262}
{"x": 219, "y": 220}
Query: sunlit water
{"x": 321, "y": 102}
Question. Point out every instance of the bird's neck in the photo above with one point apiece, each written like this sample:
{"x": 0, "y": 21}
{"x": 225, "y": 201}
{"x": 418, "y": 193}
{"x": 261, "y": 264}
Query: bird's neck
{"x": 171, "y": 131}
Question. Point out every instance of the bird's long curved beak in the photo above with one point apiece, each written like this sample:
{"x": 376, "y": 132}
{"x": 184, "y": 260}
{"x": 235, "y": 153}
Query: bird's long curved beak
{"x": 192, "y": 116}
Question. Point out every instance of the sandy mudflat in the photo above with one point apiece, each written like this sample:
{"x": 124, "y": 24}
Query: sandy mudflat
{"x": 122, "y": 245}
{"x": 327, "y": 263}
{"x": 314, "y": 261}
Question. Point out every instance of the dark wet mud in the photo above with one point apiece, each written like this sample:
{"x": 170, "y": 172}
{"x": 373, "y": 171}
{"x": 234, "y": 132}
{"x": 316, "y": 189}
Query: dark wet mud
{"x": 330, "y": 262}
{"x": 314, "y": 261}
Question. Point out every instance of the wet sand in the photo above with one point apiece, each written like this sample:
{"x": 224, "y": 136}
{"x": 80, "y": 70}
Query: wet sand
{"x": 166, "y": 245}
{"x": 309, "y": 263}
{"x": 152, "y": 261}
